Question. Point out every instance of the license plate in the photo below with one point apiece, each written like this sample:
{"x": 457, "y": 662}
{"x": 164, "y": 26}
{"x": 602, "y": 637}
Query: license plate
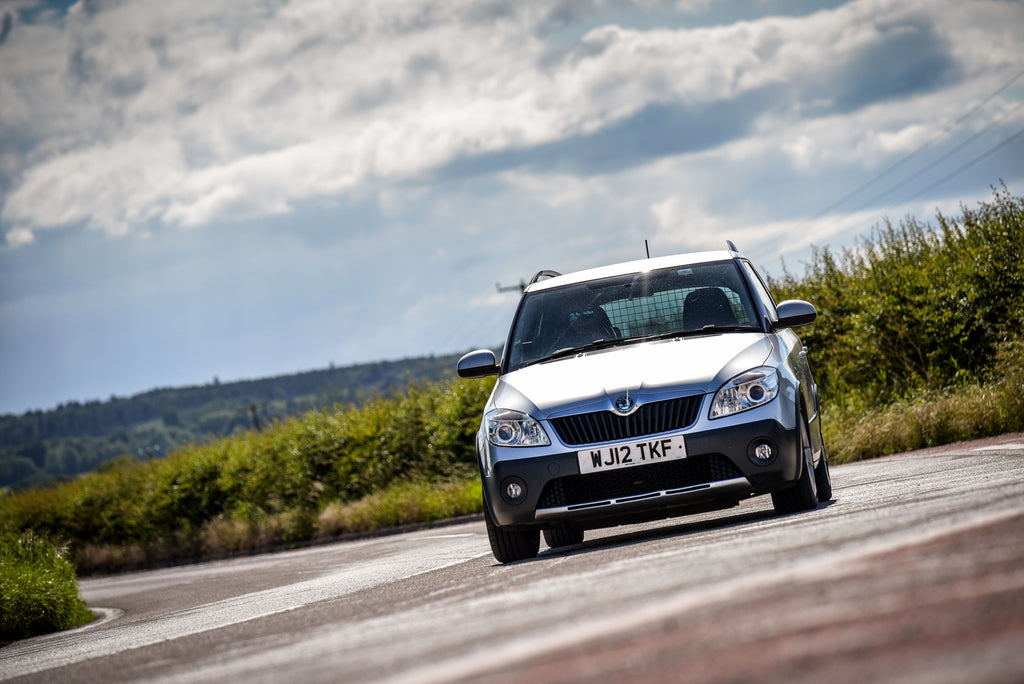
{"x": 629, "y": 454}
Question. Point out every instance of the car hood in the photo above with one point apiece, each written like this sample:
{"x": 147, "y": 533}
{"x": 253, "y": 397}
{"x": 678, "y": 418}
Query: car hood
{"x": 645, "y": 370}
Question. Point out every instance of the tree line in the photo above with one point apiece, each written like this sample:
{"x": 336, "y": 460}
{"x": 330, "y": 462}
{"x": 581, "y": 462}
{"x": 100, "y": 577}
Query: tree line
{"x": 38, "y": 446}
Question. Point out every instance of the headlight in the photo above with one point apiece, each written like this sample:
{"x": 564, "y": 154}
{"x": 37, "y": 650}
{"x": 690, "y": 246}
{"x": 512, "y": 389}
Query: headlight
{"x": 746, "y": 391}
{"x": 514, "y": 429}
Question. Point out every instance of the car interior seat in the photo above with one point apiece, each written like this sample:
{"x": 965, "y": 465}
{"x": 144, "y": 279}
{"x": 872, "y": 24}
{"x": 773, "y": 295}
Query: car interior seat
{"x": 707, "y": 306}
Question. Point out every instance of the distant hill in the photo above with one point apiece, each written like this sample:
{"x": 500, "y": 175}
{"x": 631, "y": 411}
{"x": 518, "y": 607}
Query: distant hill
{"x": 43, "y": 446}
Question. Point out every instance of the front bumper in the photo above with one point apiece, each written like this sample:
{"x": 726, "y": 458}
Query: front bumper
{"x": 717, "y": 472}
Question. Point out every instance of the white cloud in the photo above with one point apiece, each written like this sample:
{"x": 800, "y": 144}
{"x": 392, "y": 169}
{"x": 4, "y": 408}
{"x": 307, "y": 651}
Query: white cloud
{"x": 18, "y": 237}
{"x": 684, "y": 226}
{"x": 370, "y": 170}
{"x": 188, "y": 114}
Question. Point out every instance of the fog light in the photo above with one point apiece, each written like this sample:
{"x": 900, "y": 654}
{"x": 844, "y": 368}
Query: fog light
{"x": 513, "y": 490}
{"x": 761, "y": 452}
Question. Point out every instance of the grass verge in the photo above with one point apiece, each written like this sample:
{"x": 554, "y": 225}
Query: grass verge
{"x": 38, "y": 588}
{"x": 399, "y": 504}
{"x": 932, "y": 418}
{"x": 402, "y": 504}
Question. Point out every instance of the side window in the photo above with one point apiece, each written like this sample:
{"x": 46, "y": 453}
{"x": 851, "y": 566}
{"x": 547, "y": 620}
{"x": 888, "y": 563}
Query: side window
{"x": 761, "y": 291}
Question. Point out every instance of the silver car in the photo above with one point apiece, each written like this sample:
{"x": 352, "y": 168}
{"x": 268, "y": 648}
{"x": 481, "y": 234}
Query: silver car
{"x": 641, "y": 391}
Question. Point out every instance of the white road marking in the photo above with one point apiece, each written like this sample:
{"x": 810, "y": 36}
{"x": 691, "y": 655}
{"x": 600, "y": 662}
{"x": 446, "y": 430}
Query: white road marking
{"x": 516, "y": 650}
{"x": 66, "y": 648}
{"x": 1001, "y": 447}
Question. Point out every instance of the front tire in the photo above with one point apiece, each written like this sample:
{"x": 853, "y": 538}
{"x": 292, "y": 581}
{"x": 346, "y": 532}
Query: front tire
{"x": 802, "y": 495}
{"x": 822, "y": 479}
{"x": 509, "y": 546}
{"x": 556, "y": 537}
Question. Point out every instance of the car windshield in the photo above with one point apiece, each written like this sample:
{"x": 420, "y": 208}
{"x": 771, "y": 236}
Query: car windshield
{"x": 702, "y": 298}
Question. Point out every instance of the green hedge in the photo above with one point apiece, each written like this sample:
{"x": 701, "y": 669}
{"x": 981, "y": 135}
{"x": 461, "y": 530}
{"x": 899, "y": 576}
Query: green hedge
{"x": 268, "y": 487}
{"x": 914, "y": 306}
{"x": 918, "y": 340}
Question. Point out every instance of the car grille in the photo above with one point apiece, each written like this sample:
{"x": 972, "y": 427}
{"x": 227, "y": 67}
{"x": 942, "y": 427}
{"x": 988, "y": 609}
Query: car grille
{"x": 624, "y": 482}
{"x": 649, "y": 419}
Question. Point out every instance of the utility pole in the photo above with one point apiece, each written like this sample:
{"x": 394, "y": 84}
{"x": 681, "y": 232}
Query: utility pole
{"x": 255, "y": 417}
{"x": 521, "y": 287}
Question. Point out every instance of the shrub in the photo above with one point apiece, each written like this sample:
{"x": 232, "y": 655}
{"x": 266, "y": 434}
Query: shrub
{"x": 915, "y": 307}
{"x": 38, "y": 589}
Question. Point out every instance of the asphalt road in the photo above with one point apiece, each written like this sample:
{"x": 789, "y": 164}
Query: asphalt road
{"x": 915, "y": 573}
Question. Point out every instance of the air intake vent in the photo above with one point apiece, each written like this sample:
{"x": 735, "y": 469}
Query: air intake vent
{"x": 607, "y": 426}
{"x": 614, "y": 484}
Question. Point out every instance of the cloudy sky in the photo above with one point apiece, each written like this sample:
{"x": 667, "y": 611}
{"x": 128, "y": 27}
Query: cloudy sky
{"x": 192, "y": 189}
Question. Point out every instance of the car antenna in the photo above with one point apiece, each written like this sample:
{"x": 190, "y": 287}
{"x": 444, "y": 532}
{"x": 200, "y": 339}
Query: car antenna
{"x": 646, "y": 247}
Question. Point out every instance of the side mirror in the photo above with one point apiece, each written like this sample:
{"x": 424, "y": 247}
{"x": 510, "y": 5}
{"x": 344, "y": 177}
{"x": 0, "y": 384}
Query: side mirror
{"x": 478, "y": 364}
{"x": 795, "y": 312}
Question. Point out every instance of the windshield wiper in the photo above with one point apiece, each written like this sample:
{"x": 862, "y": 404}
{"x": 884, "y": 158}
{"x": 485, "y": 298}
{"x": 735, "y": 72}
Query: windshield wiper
{"x": 573, "y": 351}
{"x": 706, "y": 330}
{"x": 725, "y": 328}
{"x": 620, "y": 341}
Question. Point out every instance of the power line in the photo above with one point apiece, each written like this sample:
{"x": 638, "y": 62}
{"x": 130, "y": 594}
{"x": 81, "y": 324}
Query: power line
{"x": 969, "y": 164}
{"x": 941, "y": 159}
{"x": 477, "y": 320}
{"x": 920, "y": 149}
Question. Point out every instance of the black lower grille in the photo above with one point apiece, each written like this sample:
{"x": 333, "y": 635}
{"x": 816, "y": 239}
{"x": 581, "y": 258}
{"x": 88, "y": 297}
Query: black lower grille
{"x": 616, "y": 484}
{"x": 607, "y": 426}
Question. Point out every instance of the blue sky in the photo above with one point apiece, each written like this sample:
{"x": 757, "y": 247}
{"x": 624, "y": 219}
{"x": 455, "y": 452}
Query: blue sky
{"x": 190, "y": 191}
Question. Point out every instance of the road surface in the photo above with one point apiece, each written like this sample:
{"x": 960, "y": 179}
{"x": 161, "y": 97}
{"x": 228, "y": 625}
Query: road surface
{"x": 914, "y": 573}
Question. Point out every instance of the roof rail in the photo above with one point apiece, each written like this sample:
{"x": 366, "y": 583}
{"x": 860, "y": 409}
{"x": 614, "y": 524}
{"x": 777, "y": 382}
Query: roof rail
{"x": 732, "y": 247}
{"x": 546, "y": 273}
